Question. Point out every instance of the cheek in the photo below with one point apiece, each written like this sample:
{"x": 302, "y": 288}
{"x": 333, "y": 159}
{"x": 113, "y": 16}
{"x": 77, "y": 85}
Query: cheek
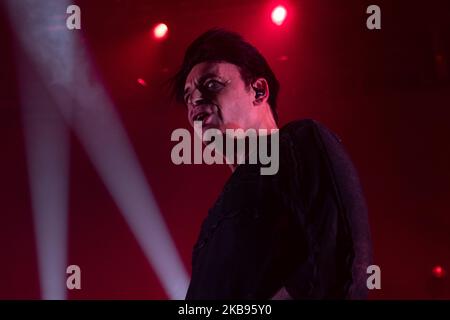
{"x": 234, "y": 100}
{"x": 188, "y": 114}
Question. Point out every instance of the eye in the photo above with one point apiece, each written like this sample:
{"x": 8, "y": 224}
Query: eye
{"x": 213, "y": 85}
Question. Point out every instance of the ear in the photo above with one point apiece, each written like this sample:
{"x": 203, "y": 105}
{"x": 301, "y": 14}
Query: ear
{"x": 260, "y": 89}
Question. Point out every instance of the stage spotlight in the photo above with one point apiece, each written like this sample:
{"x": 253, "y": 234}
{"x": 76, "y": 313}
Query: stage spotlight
{"x": 142, "y": 82}
{"x": 438, "y": 272}
{"x": 279, "y": 15}
{"x": 88, "y": 109}
{"x": 46, "y": 135}
{"x": 160, "y": 31}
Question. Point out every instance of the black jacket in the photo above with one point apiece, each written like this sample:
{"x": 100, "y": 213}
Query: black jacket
{"x": 305, "y": 228}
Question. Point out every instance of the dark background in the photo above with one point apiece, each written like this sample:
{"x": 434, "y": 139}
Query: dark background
{"x": 385, "y": 92}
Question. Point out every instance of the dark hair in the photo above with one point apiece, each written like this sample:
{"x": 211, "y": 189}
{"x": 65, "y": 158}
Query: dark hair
{"x": 222, "y": 45}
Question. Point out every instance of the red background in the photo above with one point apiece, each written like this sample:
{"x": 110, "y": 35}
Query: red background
{"x": 386, "y": 93}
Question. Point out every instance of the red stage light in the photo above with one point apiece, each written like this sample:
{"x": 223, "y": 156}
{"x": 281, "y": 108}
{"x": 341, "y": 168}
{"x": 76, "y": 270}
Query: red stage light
{"x": 142, "y": 82}
{"x": 438, "y": 272}
{"x": 279, "y": 15}
{"x": 160, "y": 31}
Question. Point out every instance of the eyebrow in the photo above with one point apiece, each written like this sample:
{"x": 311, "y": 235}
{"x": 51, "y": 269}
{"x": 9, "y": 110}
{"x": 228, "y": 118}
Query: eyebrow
{"x": 200, "y": 80}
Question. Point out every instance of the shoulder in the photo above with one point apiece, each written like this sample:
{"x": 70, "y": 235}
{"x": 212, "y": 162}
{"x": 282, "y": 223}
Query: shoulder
{"x": 309, "y": 142}
{"x": 305, "y": 130}
{"x": 313, "y": 154}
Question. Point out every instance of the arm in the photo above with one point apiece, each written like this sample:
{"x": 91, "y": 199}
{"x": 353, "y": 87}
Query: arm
{"x": 326, "y": 196}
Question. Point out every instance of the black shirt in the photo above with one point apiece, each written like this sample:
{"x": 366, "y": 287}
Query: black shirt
{"x": 304, "y": 228}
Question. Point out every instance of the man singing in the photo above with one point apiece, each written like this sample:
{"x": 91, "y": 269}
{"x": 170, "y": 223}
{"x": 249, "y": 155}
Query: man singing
{"x": 301, "y": 233}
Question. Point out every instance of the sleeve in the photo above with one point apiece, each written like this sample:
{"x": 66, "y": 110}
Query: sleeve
{"x": 325, "y": 195}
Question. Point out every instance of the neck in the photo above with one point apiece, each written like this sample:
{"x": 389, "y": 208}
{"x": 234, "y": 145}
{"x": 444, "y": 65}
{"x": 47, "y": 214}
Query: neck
{"x": 267, "y": 124}
{"x": 265, "y": 121}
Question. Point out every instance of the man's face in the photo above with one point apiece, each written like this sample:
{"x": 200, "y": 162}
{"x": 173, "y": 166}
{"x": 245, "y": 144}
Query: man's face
{"x": 216, "y": 94}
